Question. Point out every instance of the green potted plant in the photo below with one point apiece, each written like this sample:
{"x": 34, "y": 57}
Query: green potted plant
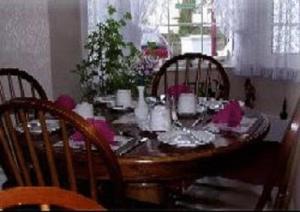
{"x": 109, "y": 61}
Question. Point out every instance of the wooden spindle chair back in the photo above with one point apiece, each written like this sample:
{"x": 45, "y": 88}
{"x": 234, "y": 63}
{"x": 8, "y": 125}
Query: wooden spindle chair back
{"x": 18, "y": 83}
{"x": 288, "y": 162}
{"x": 282, "y": 169}
{"x": 204, "y": 75}
{"x": 46, "y": 198}
{"x": 34, "y": 159}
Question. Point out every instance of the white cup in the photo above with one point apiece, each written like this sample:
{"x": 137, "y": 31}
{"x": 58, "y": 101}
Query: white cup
{"x": 123, "y": 98}
{"x": 84, "y": 109}
{"x": 160, "y": 118}
{"x": 187, "y": 103}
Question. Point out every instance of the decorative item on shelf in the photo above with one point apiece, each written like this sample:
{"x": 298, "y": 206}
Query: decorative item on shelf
{"x": 249, "y": 93}
{"x": 283, "y": 113}
{"x": 108, "y": 66}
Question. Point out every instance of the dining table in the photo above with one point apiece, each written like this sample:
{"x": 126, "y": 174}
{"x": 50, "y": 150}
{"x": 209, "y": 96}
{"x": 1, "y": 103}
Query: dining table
{"x": 149, "y": 166}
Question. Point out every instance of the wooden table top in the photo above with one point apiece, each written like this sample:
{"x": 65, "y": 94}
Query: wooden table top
{"x": 156, "y": 161}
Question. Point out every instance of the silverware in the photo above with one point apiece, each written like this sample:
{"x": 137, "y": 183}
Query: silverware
{"x": 204, "y": 118}
{"x": 197, "y": 121}
{"x": 131, "y": 146}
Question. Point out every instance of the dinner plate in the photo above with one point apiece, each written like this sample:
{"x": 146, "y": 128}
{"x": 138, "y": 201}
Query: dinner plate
{"x": 186, "y": 138}
{"x": 118, "y": 146}
{"x": 35, "y": 126}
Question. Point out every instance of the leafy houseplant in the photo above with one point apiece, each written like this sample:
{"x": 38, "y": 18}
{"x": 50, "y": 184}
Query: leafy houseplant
{"x": 109, "y": 61}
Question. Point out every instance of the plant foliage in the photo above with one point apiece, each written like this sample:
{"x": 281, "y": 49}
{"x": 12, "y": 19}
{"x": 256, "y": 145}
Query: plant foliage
{"x": 110, "y": 59}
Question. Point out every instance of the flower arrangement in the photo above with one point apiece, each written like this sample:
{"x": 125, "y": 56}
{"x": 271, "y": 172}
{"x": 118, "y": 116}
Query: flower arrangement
{"x": 144, "y": 69}
{"x": 148, "y": 61}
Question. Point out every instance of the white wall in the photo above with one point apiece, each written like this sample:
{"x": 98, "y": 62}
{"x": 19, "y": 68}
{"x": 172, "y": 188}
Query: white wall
{"x": 66, "y": 47}
{"x": 43, "y": 37}
{"x": 269, "y": 93}
{"x": 24, "y": 38}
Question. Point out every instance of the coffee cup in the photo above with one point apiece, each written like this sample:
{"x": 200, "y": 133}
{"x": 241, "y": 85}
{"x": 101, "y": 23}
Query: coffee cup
{"x": 85, "y": 109}
{"x": 123, "y": 98}
{"x": 187, "y": 103}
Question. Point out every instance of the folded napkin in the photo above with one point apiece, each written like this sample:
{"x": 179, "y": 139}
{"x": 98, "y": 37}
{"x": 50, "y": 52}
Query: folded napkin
{"x": 102, "y": 127}
{"x": 176, "y": 90}
{"x": 231, "y": 114}
{"x": 65, "y": 101}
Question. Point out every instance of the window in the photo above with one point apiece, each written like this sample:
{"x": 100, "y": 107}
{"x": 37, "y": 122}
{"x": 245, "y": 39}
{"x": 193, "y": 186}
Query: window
{"x": 187, "y": 26}
{"x": 286, "y": 28}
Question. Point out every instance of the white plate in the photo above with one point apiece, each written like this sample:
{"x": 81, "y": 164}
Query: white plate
{"x": 120, "y": 141}
{"x": 191, "y": 138}
{"x": 105, "y": 99}
{"x": 35, "y": 126}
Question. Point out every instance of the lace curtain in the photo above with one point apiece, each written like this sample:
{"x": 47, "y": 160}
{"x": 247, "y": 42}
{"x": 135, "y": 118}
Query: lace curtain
{"x": 266, "y": 36}
{"x": 140, "y": 10}
{"x": 97, "y": 12}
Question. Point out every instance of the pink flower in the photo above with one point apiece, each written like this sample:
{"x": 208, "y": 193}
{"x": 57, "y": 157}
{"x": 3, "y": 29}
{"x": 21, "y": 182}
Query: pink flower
{"x": 176, "y": 90}
{"x": 65, "y": 101}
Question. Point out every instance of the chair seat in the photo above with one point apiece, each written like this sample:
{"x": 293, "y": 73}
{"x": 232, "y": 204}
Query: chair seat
{"x": 253, "y": 166}
{"x": 236, "y": 183}
{"x": 220, "y": 193}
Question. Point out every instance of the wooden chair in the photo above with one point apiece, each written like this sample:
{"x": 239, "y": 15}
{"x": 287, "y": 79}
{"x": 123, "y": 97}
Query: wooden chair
{"x": 204, "y": 75}
{"x": 46, "y": 197}
{"x": 17, "y": 83}
{"x": 43, "y": 156}
{"x": 268, "y": 186}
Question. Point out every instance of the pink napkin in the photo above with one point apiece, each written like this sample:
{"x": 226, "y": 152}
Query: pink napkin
{"x": 176, "y": 90}
{"x": 102, "y": 127}
{"x": 65, "y": 101}
{"x": 231, "y": 115}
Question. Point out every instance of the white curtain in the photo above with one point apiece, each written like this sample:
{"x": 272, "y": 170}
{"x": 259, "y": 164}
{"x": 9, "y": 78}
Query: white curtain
{"x": 146, "y": 16}
{"x": 265, "y": 34}
{"x": 97, "y": 12}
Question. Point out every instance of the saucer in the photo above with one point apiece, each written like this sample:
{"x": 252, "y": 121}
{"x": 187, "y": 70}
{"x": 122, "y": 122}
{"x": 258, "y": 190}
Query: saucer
{"x": 104, "y": 99}
{"x": 122, "y": 108}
